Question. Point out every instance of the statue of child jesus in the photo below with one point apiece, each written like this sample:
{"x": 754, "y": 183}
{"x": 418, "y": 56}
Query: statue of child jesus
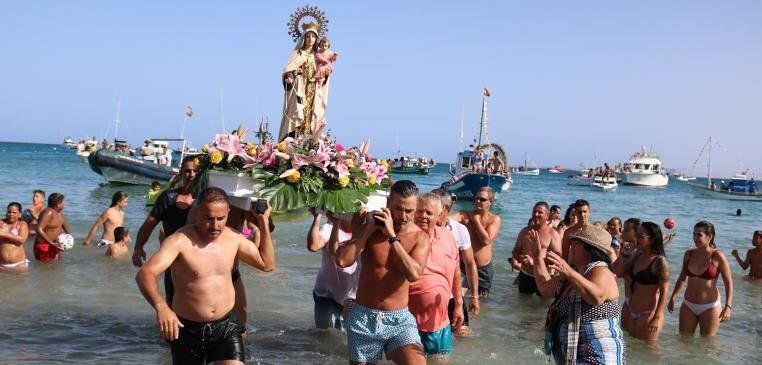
{"x": 324, "y": 58}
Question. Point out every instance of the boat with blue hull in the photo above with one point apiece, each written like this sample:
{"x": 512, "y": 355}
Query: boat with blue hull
{"x": 485, "y": 164}
{"x": 125, "y": 169}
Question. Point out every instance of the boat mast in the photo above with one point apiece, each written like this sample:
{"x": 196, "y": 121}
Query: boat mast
{"x": 460, "y": 146}
{"x": 709, "y": 166}
{"x": 483, "y": 121}
{"x": 116, "y": 120}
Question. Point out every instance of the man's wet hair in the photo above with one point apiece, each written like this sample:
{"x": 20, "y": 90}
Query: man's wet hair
{"x": 38, "y": 191}
{"x": 120, "y": 233}
{"x": 555, "y": 207}
{"x": 212, "y": 195}
{"x": 581, "y": 203}
{"x": 542, "y": 204}
{"x": 55, "y": 199}
{"x": 404, "y": 188}
{"x": 187, "y": 159}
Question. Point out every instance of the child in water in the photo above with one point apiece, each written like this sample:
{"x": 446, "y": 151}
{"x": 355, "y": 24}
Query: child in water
{"x": 324, "y": 59}
{"x": 121, "y": 239}
{"x": 153, "y": 193}
{"x": 753, "y": 258}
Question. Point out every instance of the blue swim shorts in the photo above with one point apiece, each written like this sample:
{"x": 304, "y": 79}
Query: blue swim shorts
{"x": 369, "y": 331}
{"x": 437, "y": 343}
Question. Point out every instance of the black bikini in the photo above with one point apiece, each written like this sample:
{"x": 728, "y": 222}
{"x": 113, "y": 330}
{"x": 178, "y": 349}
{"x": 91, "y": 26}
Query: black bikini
{"x": 645, "y": 276}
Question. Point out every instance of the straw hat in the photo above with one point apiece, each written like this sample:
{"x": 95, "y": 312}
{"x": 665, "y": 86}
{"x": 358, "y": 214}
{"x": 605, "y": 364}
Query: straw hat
{"x": 595, "y": 236}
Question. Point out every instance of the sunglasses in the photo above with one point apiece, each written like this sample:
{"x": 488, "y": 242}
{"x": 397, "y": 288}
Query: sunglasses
{"x": 480, "y": 199}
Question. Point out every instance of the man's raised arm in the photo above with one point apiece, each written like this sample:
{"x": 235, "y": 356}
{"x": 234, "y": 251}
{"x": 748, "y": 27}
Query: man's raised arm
{"x": 262, "y": 257}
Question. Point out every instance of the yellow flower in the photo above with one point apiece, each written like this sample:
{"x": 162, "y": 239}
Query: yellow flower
{"x": 282, "y": 146}
{"x": 372, "y": 180}
{"x": 294, "y": 177}
{"x": 252, "y": 150}
{"x": 384, "y": 163}
{"x": 196, "y": 163}
{"x": 350, "y": 163}
{"x": 205, "y": 148}
{"x": 344, "y": 181}
{"x": 216, "y": 157}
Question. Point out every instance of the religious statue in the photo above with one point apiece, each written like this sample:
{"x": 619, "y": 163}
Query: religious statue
{"x": 305, "y": 80}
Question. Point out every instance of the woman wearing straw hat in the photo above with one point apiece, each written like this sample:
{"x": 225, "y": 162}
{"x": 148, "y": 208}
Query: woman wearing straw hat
{"x": 582, "y": 325}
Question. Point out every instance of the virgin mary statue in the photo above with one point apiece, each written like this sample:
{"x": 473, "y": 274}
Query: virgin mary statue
{"x": 304, "y": 99}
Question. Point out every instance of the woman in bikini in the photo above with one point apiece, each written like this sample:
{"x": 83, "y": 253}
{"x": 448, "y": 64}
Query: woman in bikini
{"x": 648, "y": 276}
{"x": 13, "y": 234}
{"x": 701, "y": 268}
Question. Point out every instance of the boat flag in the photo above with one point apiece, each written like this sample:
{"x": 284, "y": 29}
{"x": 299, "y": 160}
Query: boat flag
{"x": 486, "y": 92}
{"x": 189, "y": 111}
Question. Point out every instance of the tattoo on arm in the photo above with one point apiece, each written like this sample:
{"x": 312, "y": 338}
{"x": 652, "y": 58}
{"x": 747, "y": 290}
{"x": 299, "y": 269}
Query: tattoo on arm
{"x": 661, "y": 268}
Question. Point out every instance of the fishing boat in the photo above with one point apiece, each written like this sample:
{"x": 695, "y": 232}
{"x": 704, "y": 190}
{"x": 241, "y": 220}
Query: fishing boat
{"x": 479, "y": 165}
{"x": 644, "y": 168}
{"x": 556, "y": 170}
{"x": 126, "y": 169}
{"x": 740, "y": 187}
{"x": 525, "y": 170}
{"x": 410, "y": 165}
{"x": 604, "y": 183}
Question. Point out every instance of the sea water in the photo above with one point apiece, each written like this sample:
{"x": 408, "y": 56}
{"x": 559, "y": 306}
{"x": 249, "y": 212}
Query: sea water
{"x": 86, "y": 308}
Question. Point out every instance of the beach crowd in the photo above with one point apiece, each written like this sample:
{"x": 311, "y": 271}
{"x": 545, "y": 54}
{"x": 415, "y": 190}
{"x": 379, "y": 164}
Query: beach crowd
{"x": 404, "y": 281}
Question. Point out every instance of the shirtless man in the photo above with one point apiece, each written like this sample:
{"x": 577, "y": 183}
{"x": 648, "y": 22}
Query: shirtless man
{"x": 13, "y": 234}
{"x": 201, "y": 325}
{"x": 555, "y": 216}
{"x": 111, "y": 218}
{"x": 484, "y": 227}
{"x": 32, "y": 214}
{"x": 392, "y": 251}
{"x": 522, "y": 256}
{"x": 171, "y": 209}
{"x": 582, "y": 212}
{"x": 753, "y": 258}
{"x": 51, "y": 223}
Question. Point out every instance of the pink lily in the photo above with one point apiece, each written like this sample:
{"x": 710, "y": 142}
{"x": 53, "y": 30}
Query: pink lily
{"x": 230, "y": 144}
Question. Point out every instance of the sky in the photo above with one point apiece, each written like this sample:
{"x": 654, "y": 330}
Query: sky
{"x": 571, "y": 82}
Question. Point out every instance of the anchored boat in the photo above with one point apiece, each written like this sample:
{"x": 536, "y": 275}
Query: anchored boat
{"x": 485, "y": 164}
{"x": 121, "y": 168}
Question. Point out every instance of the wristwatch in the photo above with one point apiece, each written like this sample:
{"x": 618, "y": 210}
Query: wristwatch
{"x": 393, "y": 239}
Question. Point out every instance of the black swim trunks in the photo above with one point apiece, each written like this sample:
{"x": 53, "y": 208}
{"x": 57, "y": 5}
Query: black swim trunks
{"x": 202, "y": 343}
{"x": 486, "y": 273}
{"x": 527, "y": 284}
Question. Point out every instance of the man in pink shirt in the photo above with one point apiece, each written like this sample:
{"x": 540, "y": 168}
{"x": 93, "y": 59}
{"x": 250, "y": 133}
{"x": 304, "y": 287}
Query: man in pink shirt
{"x": 430, "y": 294}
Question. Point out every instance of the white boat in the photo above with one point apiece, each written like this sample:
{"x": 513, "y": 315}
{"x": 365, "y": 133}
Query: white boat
{"x": 525, "y": 170}
{"x": 644, "y": 169}
{"x": 69, "y": 143}
{"x": 84, "y": 149}
{"x": 607, "y": 183}
{"x": 683, "y": 177}
{"x": 556, "y": 170}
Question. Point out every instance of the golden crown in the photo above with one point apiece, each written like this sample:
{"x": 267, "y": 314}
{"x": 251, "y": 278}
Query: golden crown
{"x": 311, "y": 26}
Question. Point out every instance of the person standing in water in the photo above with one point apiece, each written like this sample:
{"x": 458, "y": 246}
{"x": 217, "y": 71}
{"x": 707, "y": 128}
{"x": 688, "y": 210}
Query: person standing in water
{"x": 51, "y": 223}
{"x": 13, "y": 234}
{"x": 111, "y": 218}
{"x": 484, "y": 227}
{"x": 753, "y": 258}
{"x": 701, "y": 303}
{"x": 201, "y": 325}
{"x": 32, "y": 214}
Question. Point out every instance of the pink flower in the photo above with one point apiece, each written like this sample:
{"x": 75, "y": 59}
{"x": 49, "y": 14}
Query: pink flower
{"x": 339, "y": 147}
{"x": 230, "y": 144}
{"x": 341, "y": 167}
{"x": 270, "y": 161}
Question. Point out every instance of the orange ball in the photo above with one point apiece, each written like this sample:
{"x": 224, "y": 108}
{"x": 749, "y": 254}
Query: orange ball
{"x": 669, "y": 223}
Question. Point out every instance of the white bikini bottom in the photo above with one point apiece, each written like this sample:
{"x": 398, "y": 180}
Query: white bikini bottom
{"x": 13, "y": 266}
{"x": 697, "y": 309}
